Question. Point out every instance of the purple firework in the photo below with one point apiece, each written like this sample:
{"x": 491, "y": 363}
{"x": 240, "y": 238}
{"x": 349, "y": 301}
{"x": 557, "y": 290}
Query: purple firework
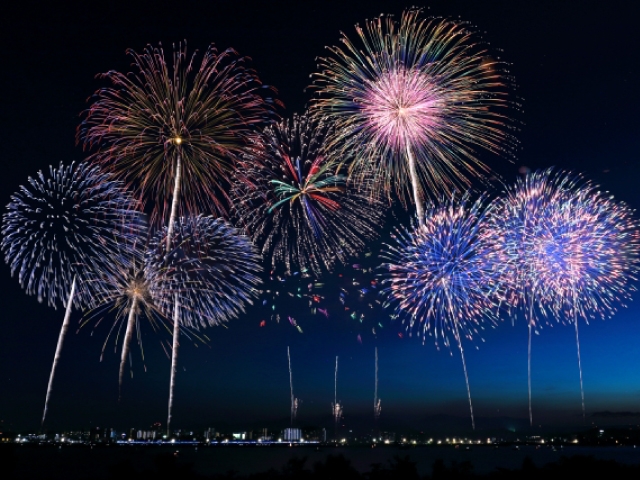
{"x": 571, "y": 250}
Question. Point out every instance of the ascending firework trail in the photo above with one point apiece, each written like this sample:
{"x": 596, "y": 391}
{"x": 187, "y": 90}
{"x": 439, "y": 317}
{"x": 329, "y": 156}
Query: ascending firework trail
{"x": 336, "y": 407}
{"x": 377, "y": 408}
{"x": 294, "y": 400}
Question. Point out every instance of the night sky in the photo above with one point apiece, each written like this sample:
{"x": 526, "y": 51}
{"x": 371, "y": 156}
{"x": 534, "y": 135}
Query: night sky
{"x": 577, "y": 70}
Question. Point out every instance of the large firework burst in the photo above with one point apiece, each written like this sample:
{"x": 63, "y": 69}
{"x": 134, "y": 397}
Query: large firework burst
{"x": 212, "y": 271}
{"x": 439, "y": 275}
{"x": 412, "y": 100}
{"x": 173, "y": 129}
{"x": 62, "y": 229}
{"x": 294, "y": 200}
{"x": 572, "y": 251}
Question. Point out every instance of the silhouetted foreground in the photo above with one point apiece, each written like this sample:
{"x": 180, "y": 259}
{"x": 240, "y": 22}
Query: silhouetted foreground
{"x": 337, "y": 466}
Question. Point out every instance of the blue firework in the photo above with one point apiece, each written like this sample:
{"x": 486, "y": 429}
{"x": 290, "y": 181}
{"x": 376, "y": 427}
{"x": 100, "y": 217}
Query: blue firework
{"x": 212, "y": 268}
{"x": 438, "y": 275}
{"x": 61, "y": 231}
{"x": 69, "y": 223}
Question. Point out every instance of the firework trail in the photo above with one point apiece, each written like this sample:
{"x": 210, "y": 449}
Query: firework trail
{"x": 173, "y": 129}
{"x": 336, "y": 407}
{"x": 412, "y": 101}
{"x": 572, "y": 250}
{"x": 294, "y": 400}
{"x": 212, "y": 271}
{"x": 62, "y": 228}
{"x": 293, "y": 199}
{"x": 439, "y": 275}
{"x": 376, "y": 401}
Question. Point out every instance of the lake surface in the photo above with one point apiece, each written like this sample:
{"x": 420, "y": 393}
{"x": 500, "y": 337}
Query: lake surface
{"x": 76, "y": 463}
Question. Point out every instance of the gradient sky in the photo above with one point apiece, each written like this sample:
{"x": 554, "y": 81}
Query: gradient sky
{"x": 578, "y": 73}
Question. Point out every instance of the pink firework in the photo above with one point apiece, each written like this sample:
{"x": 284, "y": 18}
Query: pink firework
{"x": 412, "y": 103}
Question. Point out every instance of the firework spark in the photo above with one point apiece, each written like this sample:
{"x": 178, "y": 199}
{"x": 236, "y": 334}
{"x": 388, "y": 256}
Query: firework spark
{"x": 294, "y": 201}
{"x": 572, "y": 250}
{"x": 438, "y": 274}
{"x": 212, "y": 271}
{"x": 412, "y": 101}
{"x": 173, "y": 129}
{"x": 63, "y": 228}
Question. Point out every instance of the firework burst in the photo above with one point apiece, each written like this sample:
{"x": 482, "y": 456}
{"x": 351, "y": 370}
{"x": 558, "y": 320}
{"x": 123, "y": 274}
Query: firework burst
{"x": 173, "y": 129}
{"x": 411, "y": 102}
{"x": 132, "y": 289}
{"x": 572, "y": 250}
{"x": 63, "y": 228}
{"x": 212, "y": 272}
{"x": 295, "y": 202}
{"x": 439, "y": 275}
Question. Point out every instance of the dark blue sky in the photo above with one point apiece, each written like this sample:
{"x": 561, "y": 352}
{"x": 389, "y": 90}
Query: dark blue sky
{"x": 578, "y": 73}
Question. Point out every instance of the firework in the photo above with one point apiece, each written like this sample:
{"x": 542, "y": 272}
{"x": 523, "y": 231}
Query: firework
{"x": 572, "y": 250}
{"x": 212, "y": 271}
{"x": 412, "y": 101}
{"x": 173, "y": 129}
{"x": 60, "y": 230}
{"x": 131, "y": 288}
{"x": 336, "y": 407}
{"x": 438, "y": 274}
{"x": 377, "y": 408}
{"x": 295, "y": 201}
{"x": 516, "y": 220}
{"x": 294, "y": 400}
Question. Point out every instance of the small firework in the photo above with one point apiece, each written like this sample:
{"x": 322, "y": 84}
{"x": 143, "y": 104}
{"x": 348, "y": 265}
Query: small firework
{"x": 132, "y": 289}
{"x": 294, "y": 200}
{"x": 412, "y": 101}
{"x": 438, "y": 274}
{"x": 377, "y": 408}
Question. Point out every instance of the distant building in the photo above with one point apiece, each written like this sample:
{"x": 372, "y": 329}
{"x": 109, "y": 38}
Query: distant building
{"x": 147, "y": 435}
{"x": 314, "y": 434}
{"x": 292, "y": 435}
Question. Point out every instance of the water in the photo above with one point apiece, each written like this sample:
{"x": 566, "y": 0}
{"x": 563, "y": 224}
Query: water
{"x": 75, "y": 463}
